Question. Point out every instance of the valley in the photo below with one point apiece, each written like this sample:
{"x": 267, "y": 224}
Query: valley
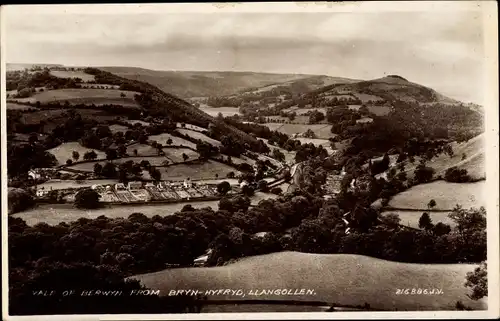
{"x": 249, "y": 180}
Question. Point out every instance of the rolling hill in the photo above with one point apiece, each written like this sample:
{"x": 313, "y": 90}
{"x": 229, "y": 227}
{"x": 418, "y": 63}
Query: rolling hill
{"x": 342, "y": 279}
{"x": 188, "y": 84}
{"x": 387, "y": 88}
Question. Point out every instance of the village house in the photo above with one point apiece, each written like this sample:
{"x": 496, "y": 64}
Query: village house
{"x": 133, "y": 186}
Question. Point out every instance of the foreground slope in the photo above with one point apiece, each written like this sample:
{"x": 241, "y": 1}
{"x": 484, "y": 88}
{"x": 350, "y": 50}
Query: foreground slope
{"x": 187, "y": 84}
{"x": 342, "y": 279}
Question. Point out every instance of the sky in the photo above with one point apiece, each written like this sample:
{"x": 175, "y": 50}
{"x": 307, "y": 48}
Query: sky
{"x": 442, "y": 49}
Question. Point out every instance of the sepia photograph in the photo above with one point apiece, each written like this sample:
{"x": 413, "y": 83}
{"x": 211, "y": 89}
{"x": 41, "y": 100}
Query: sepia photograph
{"x": 258, "y": 160}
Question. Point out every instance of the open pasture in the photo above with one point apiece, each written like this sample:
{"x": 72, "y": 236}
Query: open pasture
{"x": 64, "y": 152}
{"x": 72, "y": 74}
{"x": 84, "y": 96}
{"x": 335, "y": 278}
{"x": 176, "y": 141}
{"x": 198, "y": 135}
{"x": 196, "y": 171}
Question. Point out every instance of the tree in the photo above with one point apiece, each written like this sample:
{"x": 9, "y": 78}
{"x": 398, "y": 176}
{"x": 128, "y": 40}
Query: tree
{"x": 87, "y": 198}
{"x": 97, "y": 169}
{"x": 185, "y": 157}
{"x": 247, "y": 190}
{"x": 425, "y": 221}
{"x": 278, "y": 155}
{"x": 231, "y": 175}
{"x": 111, "y": 153}
{"x": 431, "y": 204}
{"x": 169, "y": 141}
{"x": 223, "y": 188}
{"x": 441, "y": 229}
{"x": 136, "y": 152}
{"x": 155, "y": 174}
{"x": 263, "y": 186}
{"x": 123, "y": 95}
{"x": 276, "y": 190}
{"x": 19, "y": 200}
{"x": 75, "y": 155}
{"x": 391, "y": 219}
{"x": 109, "y": 170}
{"x": 69, "y": 162}
{"x": 90, "y": 155}
{"x": 478, "y": 282}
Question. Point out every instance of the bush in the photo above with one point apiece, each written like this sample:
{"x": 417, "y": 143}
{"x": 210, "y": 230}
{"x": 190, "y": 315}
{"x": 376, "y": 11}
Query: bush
{"x": 87, "y": 198}
{"x": 19, "y": 200}
{"x": 276, "y": 190}
{"x": 456, "y": 175}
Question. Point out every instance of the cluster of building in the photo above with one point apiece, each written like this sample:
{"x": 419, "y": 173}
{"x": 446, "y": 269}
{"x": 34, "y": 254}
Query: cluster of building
{"x": 146, "y": 192}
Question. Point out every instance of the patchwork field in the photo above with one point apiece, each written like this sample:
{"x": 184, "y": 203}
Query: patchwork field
{"x": 142, "y": 150}
{"x": 410, "y": 218}
{"x": 176, "y": 141}
{"x": 335, "y": 278}
{"x": 379, "y": 110}
{"x": 197, "y": 135}
{"x": 196, "y": 171}
{"x": 446, "y": 195}
{"x": 291, "y": 129}
{"x": 84, "y": 96}
{"x": 366, "y": 97}
{"x": 225, "y": 111}
{"x": 64, "y": 152}
{"x": 72, "y": 74}
{"x": 192, "y": 127}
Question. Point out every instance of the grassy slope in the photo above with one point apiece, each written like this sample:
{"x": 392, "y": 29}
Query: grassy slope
{"x": 337, "y": 278}
{"x": 188, "y": 84}
{"x": 446, "y": 195}
{"x": 64, "y": 151}
{"x": 84, "y": 96}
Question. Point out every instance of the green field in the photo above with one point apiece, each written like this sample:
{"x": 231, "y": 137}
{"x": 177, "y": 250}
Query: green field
{"x": 118, "y": 128}
{"x": 137, "y": 121}
{"x": 54, "y": 214}
{"x": 410, "y": 218}
{"x": 73, "y": 74}
{"x": 64, "y": 152}
{"x": 379, "y": 110}
{"x": 14, "y": 106}
{"x": 142, "y": 150}
{"x": 154, "y": 161}
{"x": 335, "y": 278}
{"x": 225, "y": 111}
{"x": 56, "y": 184}
{"x": 197, "y": 135}
{"x": 196, "y": 171}
{"x": 175, "y": 154}
{"x": 446, "y": 195}
{"x": 176, "y": 141}
{"x": 84, "y": 96}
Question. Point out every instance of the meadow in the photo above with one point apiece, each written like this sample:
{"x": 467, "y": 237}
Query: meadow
{"x": 335, "y": 278}
{"x": 154, "y": 161}
{"x": 196, "y": 171}
{"x": 72, "y": 74}
{"x": 64, "y": 152}
{"x": 411, "y": 218}
{"x": 84, "y": 96}
{"x": 115, "y": 128}
{"x": 55, "y": 184}
{"x": 446, "y": 195}
{"x": 14, "y": 106}
{"x": 225, "y": 111}
{"x": 198, "y": 135}
{"x": 176, "y": 141}
{"x": 175, "y": 154}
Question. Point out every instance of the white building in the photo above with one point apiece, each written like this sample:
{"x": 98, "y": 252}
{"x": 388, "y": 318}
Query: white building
{"x": 34, "y": 174}
{"x": 187, "y": 183}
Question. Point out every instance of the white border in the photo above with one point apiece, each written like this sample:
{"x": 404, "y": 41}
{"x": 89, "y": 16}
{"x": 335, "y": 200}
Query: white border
{"x": 490, "y": 19}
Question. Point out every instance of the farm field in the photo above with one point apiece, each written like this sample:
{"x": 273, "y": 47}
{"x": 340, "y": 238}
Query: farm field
{"x": 137, "y": 121}
{"x": 14, "y": 106}
{"x": 225, "y": 111}
{"x": 196, "y": 171}
{"x": 105, "y": 86}
{"x": 115, "y": 128}
{"x": 337, "y": 278}
{"x": 55, "y": 184}
{"x": 64, "y": 151}
{"x": 367, "y": 97}
{"x": 240, "y": 160}
{"x": 410, "y": 218}
{"x": 197, "y": 135}
{"x": 175, "y": 154}
{"x": 379, "y": 110}
{"x": 177, "y": 141}
{"x": 291, "y": 129}
{"x": 54, "y": 214}
{"x": 72, "y": 74}
{"x": 142, "y": 150}
{"x": 192, "y": 127}
{"x": 446, "y": 195}
{"x": 84, "y": 96}
{"x": 89, "y": 166}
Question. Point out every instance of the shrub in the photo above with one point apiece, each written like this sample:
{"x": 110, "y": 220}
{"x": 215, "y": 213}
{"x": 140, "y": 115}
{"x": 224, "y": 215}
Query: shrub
{"x": 456, "y": 175}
